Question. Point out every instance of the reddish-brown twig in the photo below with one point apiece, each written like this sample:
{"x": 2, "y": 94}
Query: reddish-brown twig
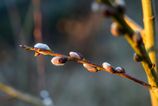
{"x": 37, "y": 33}
{"x": 84, "y": 61}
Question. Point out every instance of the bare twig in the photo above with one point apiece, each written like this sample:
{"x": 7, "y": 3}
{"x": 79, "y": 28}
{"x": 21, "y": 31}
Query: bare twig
{"x": 84, "y": 61}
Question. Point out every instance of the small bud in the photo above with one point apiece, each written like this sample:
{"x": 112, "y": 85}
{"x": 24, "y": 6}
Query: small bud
{"x": 137, "y": 38}
{"x": 42, "y": 46}
{"x": 90, "y": 68}
{"x": 75, "y": 55}
{"x": 116, "y": 29}
{"x": 108, "y": 11}
{"x": 153, "y": 66}
{"x": 137, "y": 58}
{"x": 120, "y": 6}
{"x": 120, "y": 70}
{"x": 108, "y": 67}
{"x": 22, "y": 46}
{"x": 59, "y": 61}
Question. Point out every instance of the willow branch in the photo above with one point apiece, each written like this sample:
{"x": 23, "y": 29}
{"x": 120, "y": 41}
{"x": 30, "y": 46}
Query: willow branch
{"x": 19, "y": 95}
{"x": 37, "y": 33}
{"x": 133, "y": 24}
{"x": 138, "y": 48}
{"x": 149, "y": 25}
{"x": 84, "y": 61}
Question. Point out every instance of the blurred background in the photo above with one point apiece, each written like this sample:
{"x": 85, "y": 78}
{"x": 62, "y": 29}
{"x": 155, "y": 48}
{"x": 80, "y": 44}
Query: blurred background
{"x": 67, "y": 25}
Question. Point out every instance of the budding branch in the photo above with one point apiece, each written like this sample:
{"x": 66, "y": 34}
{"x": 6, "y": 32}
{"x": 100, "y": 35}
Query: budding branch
{"x": 84, "y": 61}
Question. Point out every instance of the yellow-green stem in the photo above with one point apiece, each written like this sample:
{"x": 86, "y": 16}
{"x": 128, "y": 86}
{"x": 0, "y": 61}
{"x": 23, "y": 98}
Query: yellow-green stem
{"x": 19, "y": 95}
{"x": 149, "y": 26}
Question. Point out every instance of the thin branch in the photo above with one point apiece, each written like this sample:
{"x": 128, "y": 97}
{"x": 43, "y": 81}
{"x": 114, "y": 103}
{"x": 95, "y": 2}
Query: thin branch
{"x": 84, "y": 61}
{"x": 133, "y": 24}
{"x": 20, "y": 95}
{"x": 37, "y": 20}
{"x": 37, "y": 33}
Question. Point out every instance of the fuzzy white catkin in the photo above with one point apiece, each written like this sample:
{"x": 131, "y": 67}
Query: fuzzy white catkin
{"x": 90, "y": 68}
{"x": 120, "y": 69}
{"x": 75, "y": 55}
{"x": 41, "y": 46}
{"x": 106, "y": 65}
{"x": 55, "y": 61}
{"x": 115, "y": 29}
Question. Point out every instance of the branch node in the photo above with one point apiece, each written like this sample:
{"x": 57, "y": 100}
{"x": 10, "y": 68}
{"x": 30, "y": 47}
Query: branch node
{"x": 137, "y": 58}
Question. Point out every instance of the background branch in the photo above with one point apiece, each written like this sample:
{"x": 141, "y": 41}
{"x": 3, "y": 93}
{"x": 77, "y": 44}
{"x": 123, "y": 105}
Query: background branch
{"x": 20, "y": 95}
{"x": 37, "y": 34}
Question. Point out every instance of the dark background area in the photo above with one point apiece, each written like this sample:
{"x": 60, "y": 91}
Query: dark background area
{"x": 68, "y": 25}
